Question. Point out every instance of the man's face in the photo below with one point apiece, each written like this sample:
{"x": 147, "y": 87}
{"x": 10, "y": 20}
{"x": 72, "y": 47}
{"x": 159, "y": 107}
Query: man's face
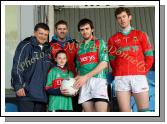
{"x": 61, "y": 31}
{"x": 41, "y": 35}
{"x": 123, "y": 19}
{"x": 86, "y": 31}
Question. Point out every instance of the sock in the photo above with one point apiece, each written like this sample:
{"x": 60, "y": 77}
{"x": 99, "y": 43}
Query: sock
{"x": 144, "y": 110}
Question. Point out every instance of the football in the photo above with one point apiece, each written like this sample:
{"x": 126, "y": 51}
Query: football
{"x": 68, "y": 84}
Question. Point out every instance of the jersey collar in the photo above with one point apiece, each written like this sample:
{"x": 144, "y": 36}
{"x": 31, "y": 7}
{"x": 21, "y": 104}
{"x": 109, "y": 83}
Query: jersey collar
{"x": 92, "y": 38}
{"x": 126, "y": 33}
{"x": 62, "y": 69}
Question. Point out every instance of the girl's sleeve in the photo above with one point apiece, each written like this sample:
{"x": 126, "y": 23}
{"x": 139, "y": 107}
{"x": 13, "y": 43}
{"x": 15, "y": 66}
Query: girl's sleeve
{"x": 49, "y": 87}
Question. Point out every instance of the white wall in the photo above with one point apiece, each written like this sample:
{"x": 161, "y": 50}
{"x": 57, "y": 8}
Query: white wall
{"x": 12, "y": 38}
{"x": 19, "y": 23}
{"x": 27, "y": 21}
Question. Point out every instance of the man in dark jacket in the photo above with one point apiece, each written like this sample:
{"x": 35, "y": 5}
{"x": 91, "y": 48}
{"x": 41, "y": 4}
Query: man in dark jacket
{"x": 30, "y": 67}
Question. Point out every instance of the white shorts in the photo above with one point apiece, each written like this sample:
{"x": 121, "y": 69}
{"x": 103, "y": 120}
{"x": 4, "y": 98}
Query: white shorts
{"x": 133, "y": 83}
{"x": 93, "y": 88}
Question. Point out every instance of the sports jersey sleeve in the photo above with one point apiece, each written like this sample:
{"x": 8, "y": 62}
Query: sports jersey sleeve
{"x": 103, "y": 55}
{"x": 77, "y": 65}
{"x": 111, "y": 52}
{"x": 71, "y": 75}
{"x": 77, "y": 61}
{"x": 49, "y": 88}
{"x": 148, "y": 52}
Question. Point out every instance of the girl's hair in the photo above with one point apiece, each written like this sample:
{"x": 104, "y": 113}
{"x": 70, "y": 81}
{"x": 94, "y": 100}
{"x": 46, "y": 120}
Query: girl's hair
{"x": 60, "y": 51}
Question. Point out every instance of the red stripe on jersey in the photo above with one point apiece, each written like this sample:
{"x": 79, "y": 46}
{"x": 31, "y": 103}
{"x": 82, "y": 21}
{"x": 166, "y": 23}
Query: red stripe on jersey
{"x": 48, "y": 87}
{"x": 57, "y": 82}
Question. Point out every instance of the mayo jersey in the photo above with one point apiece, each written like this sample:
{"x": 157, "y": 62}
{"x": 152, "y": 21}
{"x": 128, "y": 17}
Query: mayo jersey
{"x": 55, "y": 78}
{"x": 90, "y": 54}
{"x": 130, "y": 54}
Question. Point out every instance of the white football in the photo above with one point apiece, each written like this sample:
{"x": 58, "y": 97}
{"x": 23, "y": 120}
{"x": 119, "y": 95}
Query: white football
{"x": 68, "y": 84}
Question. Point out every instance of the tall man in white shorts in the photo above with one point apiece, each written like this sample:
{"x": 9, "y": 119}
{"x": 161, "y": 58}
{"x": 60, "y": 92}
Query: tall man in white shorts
{"x": 131, "y": 57}
{"x": 92, "y": 59}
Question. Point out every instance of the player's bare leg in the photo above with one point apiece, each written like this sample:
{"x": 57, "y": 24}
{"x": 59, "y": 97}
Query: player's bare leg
{"x": 142, "y": 101}
{"x": 101, "y": 106}
{"x": 88, "y": 106}
{"x": 123, "y": 98}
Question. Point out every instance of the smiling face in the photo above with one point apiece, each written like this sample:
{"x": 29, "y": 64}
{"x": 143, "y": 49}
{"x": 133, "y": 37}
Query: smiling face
{"x": 61, "y": 59}
{"x": 123, "y": 19}
{"x": 86, "y": 31}
{"x": 61, "y": 31}
{"x": 41, "y": 35}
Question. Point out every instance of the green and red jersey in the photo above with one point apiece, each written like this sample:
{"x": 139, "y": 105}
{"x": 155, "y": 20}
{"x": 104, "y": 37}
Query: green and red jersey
{"x": 90, "y": 54}
{"x": 55, "y": 77}
{"x": 130, "y": 54}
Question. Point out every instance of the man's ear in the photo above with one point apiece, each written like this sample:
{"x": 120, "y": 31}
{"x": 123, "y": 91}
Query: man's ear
{"x": 92, "y": 30}
{"x": 55, "y": 31}
{"x": 130, "y": 17}
{"x": 79, "y": 34}
{"x": 34, "y": 33}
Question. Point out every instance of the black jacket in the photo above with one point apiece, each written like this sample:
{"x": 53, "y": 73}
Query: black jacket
{"x": 30, "y": 69}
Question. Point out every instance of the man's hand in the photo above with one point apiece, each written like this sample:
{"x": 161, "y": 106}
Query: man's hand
{"x": 80, "y": 81}
{"x": 21, "y": 92}
{"x": 75, "y": 94}
{"x": 66, "y": 93}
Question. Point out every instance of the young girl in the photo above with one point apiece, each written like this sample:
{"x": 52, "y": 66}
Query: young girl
{"x": 58, "y": 99}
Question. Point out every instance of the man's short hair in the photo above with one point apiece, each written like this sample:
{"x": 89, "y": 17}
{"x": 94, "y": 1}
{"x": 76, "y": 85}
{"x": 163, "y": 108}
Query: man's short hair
{"x": 122, "y": 9}
{"x": 85, "y": 21}
{"x": 60, "y": 22}
{"x": 41, "y": 25}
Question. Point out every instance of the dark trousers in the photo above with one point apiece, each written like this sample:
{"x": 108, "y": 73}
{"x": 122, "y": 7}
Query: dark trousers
{"x": 31, "y": 106}
{"x": 76, "y": 107}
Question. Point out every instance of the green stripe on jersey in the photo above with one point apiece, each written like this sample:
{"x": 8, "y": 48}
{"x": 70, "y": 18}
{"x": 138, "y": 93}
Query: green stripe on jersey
{"x": 111, "y": 57}
{"x": 148, "y": 53}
